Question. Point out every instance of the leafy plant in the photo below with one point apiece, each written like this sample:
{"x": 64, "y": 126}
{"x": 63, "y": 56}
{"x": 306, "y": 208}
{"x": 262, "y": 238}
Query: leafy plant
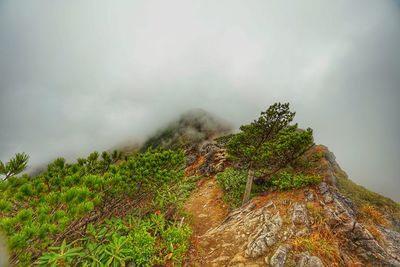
{"x": 70, "y": 201}
{"x": 232, "y": 181}
{"x": 60, "y": 256}
{"x": 286, "y": 180}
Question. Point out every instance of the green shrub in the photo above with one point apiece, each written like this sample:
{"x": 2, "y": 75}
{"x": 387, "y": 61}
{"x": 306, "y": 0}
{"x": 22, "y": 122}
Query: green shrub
{"x": 286, "y": 180}
{"x": 5, "y": 205}
{"x": 232, "y": 182}
{"x": 69, "y": 193}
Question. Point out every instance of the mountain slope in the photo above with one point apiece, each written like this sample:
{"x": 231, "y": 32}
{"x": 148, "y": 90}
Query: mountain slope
{"x": 313, "y": 226}
{"x": 188, "y": 131}
{"x": 162, "y": 207}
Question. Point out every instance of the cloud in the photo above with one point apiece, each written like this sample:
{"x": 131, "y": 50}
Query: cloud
{"x": 78, "y": 76}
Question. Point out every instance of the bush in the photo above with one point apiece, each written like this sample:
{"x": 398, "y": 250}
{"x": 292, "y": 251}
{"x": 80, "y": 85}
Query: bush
{"x": 286, "y": 181}
{"x": 232, "y": 182}
{"x": 65, "y": 194}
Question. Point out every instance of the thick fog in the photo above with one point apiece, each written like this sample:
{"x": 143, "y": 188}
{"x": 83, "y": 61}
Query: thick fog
{"x": 76, "y": 76}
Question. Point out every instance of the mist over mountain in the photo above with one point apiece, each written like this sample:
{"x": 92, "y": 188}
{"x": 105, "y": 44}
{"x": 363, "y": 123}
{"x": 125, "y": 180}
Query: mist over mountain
{"x": 82, "y": 76}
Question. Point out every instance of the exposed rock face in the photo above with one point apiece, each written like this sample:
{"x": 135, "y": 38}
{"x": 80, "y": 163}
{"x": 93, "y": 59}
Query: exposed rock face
{"x": 341, "y": 218}
{"x": 280, "y": 255}
{"x": 300, "y": 216}
{"x": 215, "y": 158}
{"x": 267, "y": 235}
{"x": 272, "y": 229}
{"x": 306, "y": 260}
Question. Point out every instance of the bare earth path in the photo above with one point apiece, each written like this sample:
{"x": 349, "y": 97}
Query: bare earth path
{"x": 208, "y": 210}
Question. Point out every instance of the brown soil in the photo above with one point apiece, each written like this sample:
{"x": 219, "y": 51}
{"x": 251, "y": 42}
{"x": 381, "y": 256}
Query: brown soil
{"x": 207, "y": 210}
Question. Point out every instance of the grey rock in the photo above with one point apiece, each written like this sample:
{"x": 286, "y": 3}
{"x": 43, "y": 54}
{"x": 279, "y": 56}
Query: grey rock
{"x": 280, "y": 255}
{"x": 328, "y": 198}
{"x": 302, "y": 232}
{"x": 214, "y": 159}
{"x": 392, "y": 240}
{"x": 266, "y": 237}
{"x": 300, "y": 216}
{"x": 323, "y": 188}
{"x": 190, "y": 159}
{"x": 306, "y": 260}
{"x": 309, "y": 196}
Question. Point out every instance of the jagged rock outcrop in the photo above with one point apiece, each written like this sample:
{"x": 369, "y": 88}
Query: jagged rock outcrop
{"x": 279, "y": 257}
{"x": 306, "y": 260}
{"x": 267, "y": 236}
{"x": 311, "y": 227}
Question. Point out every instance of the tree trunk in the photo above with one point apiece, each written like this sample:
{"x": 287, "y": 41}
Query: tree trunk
{"x": 249, "y": 183}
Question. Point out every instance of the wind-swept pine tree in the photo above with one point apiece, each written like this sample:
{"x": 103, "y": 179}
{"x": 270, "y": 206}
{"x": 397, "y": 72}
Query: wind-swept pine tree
{"x": 268, "y": 144}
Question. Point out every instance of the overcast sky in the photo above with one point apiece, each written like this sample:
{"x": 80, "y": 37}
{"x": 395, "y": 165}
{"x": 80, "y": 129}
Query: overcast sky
{"x": 82, "y": 75}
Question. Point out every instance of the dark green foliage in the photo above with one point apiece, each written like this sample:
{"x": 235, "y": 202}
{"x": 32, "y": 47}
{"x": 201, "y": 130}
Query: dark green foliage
{"x": 117, "y": 242}
{"x": 232, "y": 181}
{"x": 268, "y": 144}
{"x": 60, "y": 256}
{"x": 286, "y": 180}
{"x": 37, "y": 213}
{"x": 14, "y": 166}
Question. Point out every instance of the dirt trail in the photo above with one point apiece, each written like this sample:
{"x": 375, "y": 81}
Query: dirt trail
{"x": 208, "y": 210}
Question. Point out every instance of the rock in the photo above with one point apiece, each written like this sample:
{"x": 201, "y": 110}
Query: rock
{"x": 306, "y": 260}
{"x": 190, "y": 159}
{"x": 328, "y": 198}
{"x": 267, "y": 235}
{"x": 340, "y": 217}
{"x": 302, "y": 232}
{"x": 300, "y": 216}
{"x": 323, "y": 188}
{"x": 280, "y": 255}
{"x": 214, "y": 159}
{"x": 392, "y": 240}
{"x": 309, "y": 196}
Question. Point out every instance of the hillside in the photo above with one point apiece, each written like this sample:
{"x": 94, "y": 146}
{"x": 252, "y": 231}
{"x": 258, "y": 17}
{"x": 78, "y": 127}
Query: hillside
{"x": 183, "y": 207}
{"x": 188, "y": 131}
{"x": 312, "y": 226}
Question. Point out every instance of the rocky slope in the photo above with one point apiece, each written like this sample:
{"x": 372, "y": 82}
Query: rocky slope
{"x": 314, "y": 226}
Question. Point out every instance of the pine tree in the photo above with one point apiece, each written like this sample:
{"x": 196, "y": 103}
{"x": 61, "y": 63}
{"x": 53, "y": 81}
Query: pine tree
{"x": 14, "y": 166}
{"x": 268, "y": 144}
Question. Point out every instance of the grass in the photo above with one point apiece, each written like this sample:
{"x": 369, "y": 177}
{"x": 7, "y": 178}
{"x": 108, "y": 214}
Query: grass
{"x": 375, "y": 215}
{"x": 321, "y": 244}
{"x": 316, "y": 212}
{"x": 363, "y": 197}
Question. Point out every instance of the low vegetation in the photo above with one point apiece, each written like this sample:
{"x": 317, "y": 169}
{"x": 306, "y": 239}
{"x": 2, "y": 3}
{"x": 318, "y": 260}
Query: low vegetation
{"x": 233, "y": 181}
{"x": 321, "y": 244}
{"x": 118, "y": 242}
{"x": 287, "y": 180}
{"x": 362, "y": 196}
{"x": 96, "y": 213}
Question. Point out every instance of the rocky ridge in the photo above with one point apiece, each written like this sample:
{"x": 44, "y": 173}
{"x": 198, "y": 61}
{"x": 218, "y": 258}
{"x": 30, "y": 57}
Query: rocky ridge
{"x": 315, "y": 226}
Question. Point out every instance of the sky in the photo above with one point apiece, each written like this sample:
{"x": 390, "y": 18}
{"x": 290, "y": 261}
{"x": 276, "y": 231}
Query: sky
{"x": 78, "y": 76}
